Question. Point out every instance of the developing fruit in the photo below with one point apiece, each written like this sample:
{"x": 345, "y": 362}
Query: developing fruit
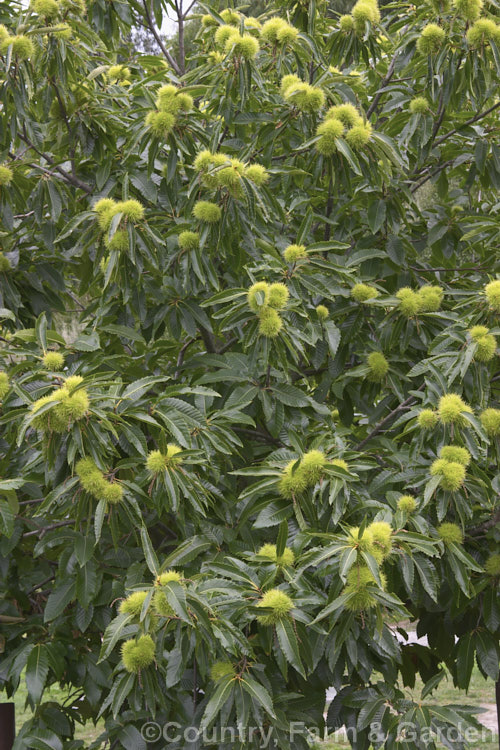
{"x": 277, "y": 31}
{"x": 158, "y": 461}
{"x": 469, "y": 10}
{"x": 430, "y": 298}
{"x": 160, "y": 601}
{"x": 223, "y": 34}
{"x": 94, "y": 482}
{"x": 118, "y": 242}
{"x": 270, "y": 323}
{"x": 407, "y": 504}
{"x": 269, "y": 551}
{"x": 328, "y": 132}
{"x": 347, "y": 114}
{"x": 221, "y": 669}
{"x": 258, "y": 296}
{"x": 450, "y": 533}
{"x": 278, "y": 296}
{"x": 160, "y": 124}
{"x": 312, "y": 465}
{"x": 118, "y": 73}
{"x": 280, "y": 605}
{"x": 304, "y": 97}
{"x": 189, "y": 240}
{"x": 138, "y": 654}
{"x": 409, "y": 303}
{"x": 451, "y": 472}
{"x": 207, "y": 212}
{"x": 381, "y": 534}
{"x": 339, "y": 461}
{"x": 22, "y": 46}
{"x": 322, "y": 312}
{"x": 451, "y": 408}
{"x": 4, "y": 384}
{"x": 292, "y": 483}
{"x": 53, "y": 361}
{"x": 379, "y": 366}
{"x": 364, "y": 292}
{"x": 492, "y": 565}
{"x": 359, "y": 582}
{"x": 245, "y": 46}
{"x": 427, "y": 419}
{"x": 132, "y": 605}
{"x": 490, "y": 420}
{"x": 419, "y": 105}
{"x": 293, "y": 253}
{"x": 359, "y": 135}
{"x": 455, "y": 453}
{"x": 70, "y": 406}
{"x": 431, "y": 39}
{"x": 346, "y": 23}
{"x": 483, "y": 31}
{"x": 6, "y": 175}
{"x": 362, "y": 543}
{"x": 47, "y": 8}
{"x": 492, "y": 291}
{"x": 257, "y": 174}
{"x": 486, "y": 343}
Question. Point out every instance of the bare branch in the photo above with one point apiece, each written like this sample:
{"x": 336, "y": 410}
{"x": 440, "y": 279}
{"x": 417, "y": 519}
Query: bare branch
{"x": 71, "y": 179}
{"x": 158, "y": 38}
{"x": 380, "y": 426}
{"x": 383, "y": 84}
{"x": 472, "y": 120}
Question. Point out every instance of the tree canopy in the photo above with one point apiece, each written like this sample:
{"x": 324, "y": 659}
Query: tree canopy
{"x": 250, "y": 409}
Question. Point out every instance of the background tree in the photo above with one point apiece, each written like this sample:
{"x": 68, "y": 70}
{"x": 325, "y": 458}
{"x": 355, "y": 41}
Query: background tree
{"x": 250, "y": 409}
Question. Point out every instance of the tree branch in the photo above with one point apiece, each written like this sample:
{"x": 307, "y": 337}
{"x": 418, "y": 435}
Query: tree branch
{"x": 489, "y": 524}
{"x": 159, "y": 40}
{"x": 71, "y": 179}
{"x": 466, "y": 123}
{"x": 431, "y": 175}
{"x": 380, "y": 426}
{"x": 383, "y": 84}
{"x": 180, "y": 24}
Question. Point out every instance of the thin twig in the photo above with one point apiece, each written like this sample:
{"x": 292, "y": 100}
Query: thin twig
{"x": 75, "y": 181}
{"x": 380, "y": 426}
{"x": 180, "y": 358}
{"x": 467, "y": 122}
{"x": 43, "y": 529}
{"x": 383, "y": 84}
{"x": 159, "y": 40}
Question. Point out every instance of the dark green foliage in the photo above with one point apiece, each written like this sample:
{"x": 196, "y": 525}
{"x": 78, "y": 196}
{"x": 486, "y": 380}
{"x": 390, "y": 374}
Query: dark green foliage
{"x": 213, "y": 426}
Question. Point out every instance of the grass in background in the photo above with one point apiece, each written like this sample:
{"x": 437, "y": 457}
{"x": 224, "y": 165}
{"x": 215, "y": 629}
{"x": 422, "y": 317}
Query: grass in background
{"x": 481, "y": 692}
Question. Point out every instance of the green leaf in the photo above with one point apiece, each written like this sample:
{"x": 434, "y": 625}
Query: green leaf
{"x": 42, "y": 739}
{"x": 487, "y": 653}
{"x": 149, "y": 553}
{"x": 465, "y": 660}
{"x": 7, "y": 519}
{"x": 259, "y": 693}
{"x": 186, "y": 551}
{"x": 37, "y": 669}
{"x": 11, "y": 484}
{"x": 41, "y": 331}
{"x": 289, "y": 645}
{"x": 282, "y": 538}
{"x": 113, "y": 632}
{"x": 217, "y": 701}
{"x": 376, "y": 215}
{"x": 58, "y": 600}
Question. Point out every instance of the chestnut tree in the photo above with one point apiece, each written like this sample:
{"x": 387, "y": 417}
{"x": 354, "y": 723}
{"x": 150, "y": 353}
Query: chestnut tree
{"x": 250, "y": 404}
